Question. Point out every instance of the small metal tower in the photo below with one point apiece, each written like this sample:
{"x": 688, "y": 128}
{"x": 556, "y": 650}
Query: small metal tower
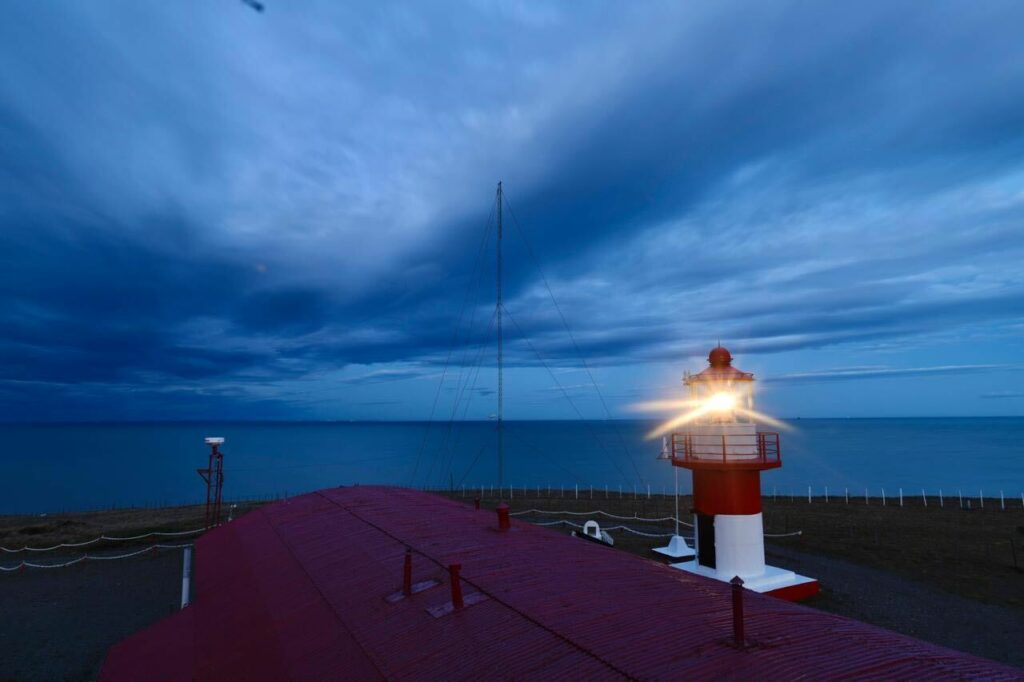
{"x": 213, "y": 475}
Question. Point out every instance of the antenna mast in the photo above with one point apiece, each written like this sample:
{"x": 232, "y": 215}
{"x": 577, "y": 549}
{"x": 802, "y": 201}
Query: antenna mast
{"x": 501, "y": 357}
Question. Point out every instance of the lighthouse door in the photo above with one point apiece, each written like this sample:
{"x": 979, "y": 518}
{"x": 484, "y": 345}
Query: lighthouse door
{"x": 706, "y": 540}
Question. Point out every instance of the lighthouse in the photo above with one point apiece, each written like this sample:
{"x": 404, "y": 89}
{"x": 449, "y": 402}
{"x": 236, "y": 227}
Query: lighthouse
{"x": 723, "y": 448}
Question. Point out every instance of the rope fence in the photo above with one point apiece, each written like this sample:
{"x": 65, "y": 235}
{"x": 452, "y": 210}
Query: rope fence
{"x": 102, "y": 538}
{"x": 566, "y": 522}
{"x": 599, "y": 512}
{"x": 634, "y": 531}
{"x": 90, "y": 557}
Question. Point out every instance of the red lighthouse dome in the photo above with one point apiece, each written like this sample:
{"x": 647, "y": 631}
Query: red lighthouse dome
{"x": 719, "y": 357}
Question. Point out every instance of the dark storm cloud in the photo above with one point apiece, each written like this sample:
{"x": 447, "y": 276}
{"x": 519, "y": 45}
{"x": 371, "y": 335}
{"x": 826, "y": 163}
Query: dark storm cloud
{"x": 286, "y": 195}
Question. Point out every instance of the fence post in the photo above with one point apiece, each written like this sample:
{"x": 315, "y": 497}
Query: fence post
{"x": 1002, "y": 502}
{"x": 883, "y": 497}
{"x": 648, "y": 491}
{"x": 846, "y": 491}
{"x": 577, "y": 491}
{"x": 923, "y": 498}
{"x": 960, "y": 494}
{"x": 981, "y": 499}
{"x": 186, "y": 577}
{"x": 901, "y": 497}
{"x": 826, "y": 494}
{"x": 866, "y": 496}
{"x": 808, "y": 494}
{"x": 941, "y": 503}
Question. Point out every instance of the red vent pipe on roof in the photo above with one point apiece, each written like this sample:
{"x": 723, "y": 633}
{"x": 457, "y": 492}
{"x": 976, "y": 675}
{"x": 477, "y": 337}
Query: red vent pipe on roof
{"x": 453, "y": 576}
{"x": 407, "y": 574}
{"x": 737, "y": 611}
{"x": 503, "y": 521}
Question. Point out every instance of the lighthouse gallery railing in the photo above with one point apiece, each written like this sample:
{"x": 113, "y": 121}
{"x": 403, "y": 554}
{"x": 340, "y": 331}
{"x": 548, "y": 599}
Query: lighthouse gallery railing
{"x": 762, "y": 450}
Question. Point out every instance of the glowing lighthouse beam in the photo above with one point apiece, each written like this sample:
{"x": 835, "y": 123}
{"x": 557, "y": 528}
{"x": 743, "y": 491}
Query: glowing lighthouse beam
{"x": 762, "y": 417}
{"x": 659, "y": 405}
{"x": 679, "y": 421}
{"x": 718, "y": 402}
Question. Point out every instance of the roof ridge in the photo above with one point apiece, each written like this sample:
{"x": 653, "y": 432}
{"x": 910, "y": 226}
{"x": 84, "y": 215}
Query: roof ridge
{"x": 320, "y": 592}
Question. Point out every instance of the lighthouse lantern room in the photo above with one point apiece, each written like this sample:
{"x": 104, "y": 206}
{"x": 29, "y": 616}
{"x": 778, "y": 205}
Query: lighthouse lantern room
{"x": 723, "y": 448}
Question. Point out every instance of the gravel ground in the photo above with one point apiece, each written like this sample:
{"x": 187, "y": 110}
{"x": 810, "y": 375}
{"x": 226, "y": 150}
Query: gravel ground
{"x": 900, "y": 604}
{"x": 59, "y": 623}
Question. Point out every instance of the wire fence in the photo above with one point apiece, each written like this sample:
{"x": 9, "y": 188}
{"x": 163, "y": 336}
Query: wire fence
{"x": 824, "y": 494}
{"x": 901, "y": 498}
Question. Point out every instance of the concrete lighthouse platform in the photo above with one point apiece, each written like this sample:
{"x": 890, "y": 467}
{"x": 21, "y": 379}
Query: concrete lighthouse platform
{"x": 773, "y": 581}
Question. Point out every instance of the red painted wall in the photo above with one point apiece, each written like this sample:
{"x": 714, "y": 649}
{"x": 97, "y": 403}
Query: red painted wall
{"x": 727, "y": 492}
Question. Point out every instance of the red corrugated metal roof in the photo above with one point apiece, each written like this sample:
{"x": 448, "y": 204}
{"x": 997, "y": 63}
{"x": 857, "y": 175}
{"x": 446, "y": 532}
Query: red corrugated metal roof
{"x": 297, "y": 590}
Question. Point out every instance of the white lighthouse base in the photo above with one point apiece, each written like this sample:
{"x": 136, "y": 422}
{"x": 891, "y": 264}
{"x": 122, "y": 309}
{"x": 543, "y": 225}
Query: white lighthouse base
{"x": 775, "y": 581}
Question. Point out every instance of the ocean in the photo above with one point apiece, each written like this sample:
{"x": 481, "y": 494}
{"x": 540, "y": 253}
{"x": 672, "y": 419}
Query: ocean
{"x": 50, "y": 468}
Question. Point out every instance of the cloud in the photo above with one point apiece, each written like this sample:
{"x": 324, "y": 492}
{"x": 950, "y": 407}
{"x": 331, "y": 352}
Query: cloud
{"x": 850, "y": 373}
{"x": 285, "y": 196}
{"x": 380, "y": 376}
{"x": 1003, "y": 395}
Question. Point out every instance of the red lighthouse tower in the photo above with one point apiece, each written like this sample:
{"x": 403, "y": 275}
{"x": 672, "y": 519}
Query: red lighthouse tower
{"x": 726, "y": 453}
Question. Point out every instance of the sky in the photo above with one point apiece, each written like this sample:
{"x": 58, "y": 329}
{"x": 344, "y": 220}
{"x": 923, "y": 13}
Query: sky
{"x": 211, "y": 212}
